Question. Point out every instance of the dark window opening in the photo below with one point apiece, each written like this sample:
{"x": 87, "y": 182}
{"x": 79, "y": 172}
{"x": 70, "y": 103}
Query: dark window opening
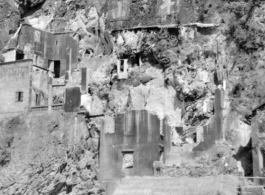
{"x": 127, "y": 160}
{"x": 87, "y": 51}
{"x": 19, "y": 56}
{"x": 122, "y": 66}
{"x": 57, "y": 67}
{"x": 19, "y": 96}
{"x": 94, "y": 31}
{"x": 195, "y": 137}
{"x": 37, "y": 101}
{"x": 161, "y": 150}
{"x": 90, "y": 92}
{"x": 136, "y": 60}
{"x": 79, "y": 37}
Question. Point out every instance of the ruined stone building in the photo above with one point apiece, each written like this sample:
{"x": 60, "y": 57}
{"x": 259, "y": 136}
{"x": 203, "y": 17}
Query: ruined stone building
{"x": 36, "y": 70}
{"x": 131, "y": 143}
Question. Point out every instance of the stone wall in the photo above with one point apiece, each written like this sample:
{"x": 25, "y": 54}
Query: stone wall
{"x": 48, "y": 46}
{"x": 138, "y": 132}
{"x": 40, "y": 79}
{"x": 15, "y": 77}
{"x": 10, "y": 55}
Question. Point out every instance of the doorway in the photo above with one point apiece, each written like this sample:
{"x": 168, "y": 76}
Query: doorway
{"x": 57, "y": 68}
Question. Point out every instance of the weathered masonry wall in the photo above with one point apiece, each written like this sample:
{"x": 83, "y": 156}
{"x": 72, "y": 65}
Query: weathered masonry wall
{"x": 40, "y": 78}
{"x": 10, "y": 55}
{"x": 214, "y": 130}
{"x": 15, "y": 77}
{"x": 138, "y": 132}
{"x": 47, "y": 46}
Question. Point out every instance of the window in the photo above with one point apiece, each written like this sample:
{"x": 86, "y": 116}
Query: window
{"x": 57, "y": 68}
{"x": 19, "y": 56}
{"x": 122, "y": 69}
{"x": 122, "y": 66}
{"x": 37, "y": 101}
{"x": 127, "y": 160}
{"x": 19, "y": 96}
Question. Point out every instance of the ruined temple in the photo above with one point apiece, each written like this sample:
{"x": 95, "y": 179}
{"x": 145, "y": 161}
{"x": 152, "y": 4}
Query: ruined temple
{"x": 117, "y": 97}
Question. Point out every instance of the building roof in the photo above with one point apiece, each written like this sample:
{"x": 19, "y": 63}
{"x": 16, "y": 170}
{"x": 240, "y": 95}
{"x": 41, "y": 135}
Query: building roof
{"x": 42, "y": 68}
{"x": 10, "y": 49}
{"x": 16, "y": 62}
{"x": 200, "y": 25}
{"x": 54, "y": 33}
{"x": 146, "y": 27}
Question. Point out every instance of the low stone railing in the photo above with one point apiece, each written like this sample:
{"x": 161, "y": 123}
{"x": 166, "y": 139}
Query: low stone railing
{"x": 39, "y": 108}
{"x": 57, "y": 107}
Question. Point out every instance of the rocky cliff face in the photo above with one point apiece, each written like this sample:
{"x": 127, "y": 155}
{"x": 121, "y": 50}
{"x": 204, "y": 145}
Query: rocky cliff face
{"x": 176, "y": 77}
{"x": 9, "y": 21}
{"x": 49, "y": 154}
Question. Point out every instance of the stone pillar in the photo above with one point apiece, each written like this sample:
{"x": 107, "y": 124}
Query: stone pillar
{"x": 224, "y": 85}
{"x": 30, "y": 88}
{"x": 50, "y": 96}
{"x": 218, "y": 109}
{"x": 199, "y": 134}
{"x": 140, "y": 62}
{"x": 70, "y": 64}
{"x": 257, "y": 157}
{"x": 50, "y": 82}
{"x": 84, "y": 80}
